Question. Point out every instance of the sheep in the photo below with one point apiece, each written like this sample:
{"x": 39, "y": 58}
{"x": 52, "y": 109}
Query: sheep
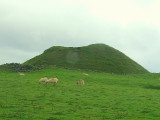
{"x": 43, "y": 79}
{"x": 85, "y": 74}
{"x": 21, "y": 74}
{"x": 80, "y": 82}
{"x": 52, "y": 80}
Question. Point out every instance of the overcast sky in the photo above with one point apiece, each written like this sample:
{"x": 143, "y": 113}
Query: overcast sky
{"x": 28, "y": 27}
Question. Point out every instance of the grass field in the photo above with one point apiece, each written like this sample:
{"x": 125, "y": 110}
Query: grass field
{"x": 103, "y": 97}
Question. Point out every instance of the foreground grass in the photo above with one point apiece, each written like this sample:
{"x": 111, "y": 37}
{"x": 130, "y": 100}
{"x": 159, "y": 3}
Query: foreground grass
{"x": 104, "y": 96}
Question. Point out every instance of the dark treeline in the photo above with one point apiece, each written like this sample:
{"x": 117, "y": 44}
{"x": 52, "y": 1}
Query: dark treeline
{"x": 17, "y": 67}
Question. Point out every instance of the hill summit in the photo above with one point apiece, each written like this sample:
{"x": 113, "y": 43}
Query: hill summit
{"x": 96, "y": 57}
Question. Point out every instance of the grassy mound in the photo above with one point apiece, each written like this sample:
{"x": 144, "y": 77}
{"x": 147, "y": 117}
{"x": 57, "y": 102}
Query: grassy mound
{"x": 95, "y": 57}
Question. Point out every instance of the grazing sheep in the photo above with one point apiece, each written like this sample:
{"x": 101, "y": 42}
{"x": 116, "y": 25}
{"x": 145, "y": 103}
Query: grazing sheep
{"x": 80, "y": 82}
{"x": 85, "y": 74}
{"x": 43, "y": 79}
{"x": 21, "y": 74}
{"x": 52, "y": 80}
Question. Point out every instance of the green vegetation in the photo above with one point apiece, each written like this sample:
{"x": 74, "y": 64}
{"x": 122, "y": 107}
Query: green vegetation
{"x": 103, "y": 97}
{"x": 96, "y": 57}
{"x": 16, "y": 67}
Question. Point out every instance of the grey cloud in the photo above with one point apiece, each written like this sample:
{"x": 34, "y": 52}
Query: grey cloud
{"x": 27, "y": 30}
{"x": 9, "y": 55}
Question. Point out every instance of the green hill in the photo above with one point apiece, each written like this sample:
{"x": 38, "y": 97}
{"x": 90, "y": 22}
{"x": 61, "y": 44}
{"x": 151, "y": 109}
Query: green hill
{"x": 96, "y": 57}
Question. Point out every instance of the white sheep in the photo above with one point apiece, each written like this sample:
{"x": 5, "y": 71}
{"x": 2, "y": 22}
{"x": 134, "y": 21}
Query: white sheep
{"x": 85, "y": 74}
{"x": 52, "y": 80}
{"x": 21, "y": 74}
{"x": 80, "y": 82}
{"x": 45, "y": 79}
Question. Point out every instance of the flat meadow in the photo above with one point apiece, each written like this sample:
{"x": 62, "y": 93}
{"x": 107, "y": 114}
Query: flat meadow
{"x": 104, "y": 96}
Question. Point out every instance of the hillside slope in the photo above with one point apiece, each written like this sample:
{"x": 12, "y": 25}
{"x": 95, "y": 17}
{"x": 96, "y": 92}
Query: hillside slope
{"x": 96, "y": 57}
